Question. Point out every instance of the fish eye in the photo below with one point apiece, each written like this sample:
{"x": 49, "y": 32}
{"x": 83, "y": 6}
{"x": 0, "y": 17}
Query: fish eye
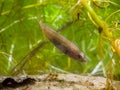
{"x": 78, "y": 56}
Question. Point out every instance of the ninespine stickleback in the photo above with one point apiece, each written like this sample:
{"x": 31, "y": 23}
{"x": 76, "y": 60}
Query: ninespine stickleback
{"x": 63, "y": 44}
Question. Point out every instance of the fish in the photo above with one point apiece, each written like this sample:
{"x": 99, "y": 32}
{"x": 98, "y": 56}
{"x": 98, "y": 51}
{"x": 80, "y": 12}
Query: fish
{"x": 62, "y": 43}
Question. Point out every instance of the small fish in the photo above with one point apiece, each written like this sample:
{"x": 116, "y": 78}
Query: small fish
{"x": 63, "y": 44}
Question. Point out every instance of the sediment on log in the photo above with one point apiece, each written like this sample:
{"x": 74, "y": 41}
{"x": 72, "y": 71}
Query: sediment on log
{"x": 57, "y": 82}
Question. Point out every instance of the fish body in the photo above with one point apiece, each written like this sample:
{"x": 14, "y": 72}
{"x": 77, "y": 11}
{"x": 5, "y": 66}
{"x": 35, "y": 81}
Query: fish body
{"x": 62, "y": 43}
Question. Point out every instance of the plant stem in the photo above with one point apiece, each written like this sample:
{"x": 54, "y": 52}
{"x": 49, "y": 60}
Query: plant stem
{"x": 92, "y": 13}
{"x": 102, "y": 26}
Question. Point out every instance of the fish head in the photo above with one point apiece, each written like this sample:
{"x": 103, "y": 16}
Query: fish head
{"x": 80, "y": 57}
{"x": 77, "y": 55}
